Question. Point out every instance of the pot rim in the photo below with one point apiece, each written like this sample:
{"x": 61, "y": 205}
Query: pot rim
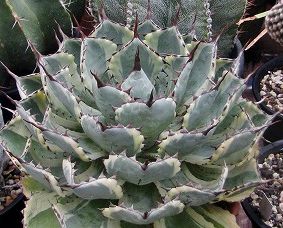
{"x": 19, "y": 198}
{"x": 274, "y": 147}
{"x": 271, "y": 65}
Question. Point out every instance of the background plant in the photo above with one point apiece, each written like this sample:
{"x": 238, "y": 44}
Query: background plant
{"x": 30, "y": 22}
{"x": 200, "y": 19}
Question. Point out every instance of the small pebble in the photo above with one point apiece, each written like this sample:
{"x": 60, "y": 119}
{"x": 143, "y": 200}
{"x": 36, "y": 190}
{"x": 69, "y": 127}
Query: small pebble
{"x": 18, "y": 191}
{"x": 278, "y": 217}
{"x": 10, "y": 182}
{"x": 254, "y": 196}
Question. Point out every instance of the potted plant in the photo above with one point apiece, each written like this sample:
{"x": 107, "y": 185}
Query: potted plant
{"x": 267, "y": 89}
{"x": 265, "y": 206}
{"x": 133, "y": 128}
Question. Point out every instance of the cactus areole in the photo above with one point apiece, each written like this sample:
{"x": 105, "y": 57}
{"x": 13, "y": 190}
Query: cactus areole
{"x": 133, "y": 127}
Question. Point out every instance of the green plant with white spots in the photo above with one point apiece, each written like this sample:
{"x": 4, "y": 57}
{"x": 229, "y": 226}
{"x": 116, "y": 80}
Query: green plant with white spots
{"x": 126, "y": 128}
{"x": 199, "y": 19}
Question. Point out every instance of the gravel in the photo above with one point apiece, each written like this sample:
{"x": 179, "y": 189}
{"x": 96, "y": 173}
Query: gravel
{"x": 271, "y": 90}
{"x": 272, "y": 168}
{"x": 12, "y": 188}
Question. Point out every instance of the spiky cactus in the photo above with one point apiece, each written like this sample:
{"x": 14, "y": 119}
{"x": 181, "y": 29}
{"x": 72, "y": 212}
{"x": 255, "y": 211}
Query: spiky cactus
{"x": 133, "y": 127}
{"x": 274, "y": 23}
{"x": 25, "y": 22}
{"x": 200, "y": 19}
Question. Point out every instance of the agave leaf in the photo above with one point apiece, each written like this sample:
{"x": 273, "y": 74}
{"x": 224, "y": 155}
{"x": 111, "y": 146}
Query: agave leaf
{"x": 61, "y": 97}
{"x": 243, "y": 115}
{"x": 216, "y": 101}
{"x": 241, "y": 181}
{"x": 56, "y": 122}
{"x": 36, "y": 103}
{"x": 166, "y": 41}
{"x": 38, "y": 211}
{"x": 95, "y": 59}
{"x": 236, "y": 149}
{"x": 139, "y": 85}
{"x": 188, "y": 218}
{"x": 108, "y": 98}
{"x": 14, "y": 135}
{"x": 205, "y": 176}
{"x": 141, "y": 200}
{"x": 146, "y": 27}
{"x": 104, "y": 188}
{"x": 50, "y": 210}
{"x": 194, "y": 148}
{"x": 165, "y": 81}
{"x": 201, "y": 216}
{"x": 66, "y": 143}
{"x": 44, "y": 177}
{"x": 85, "y": 171}
{"x": 190, "y": 196}
{"x": 242, "y": 174}
{"x": 37, "y": 133}
{"x": 175, "y": 65}
{"x": 122, "y": 63}
{"x": 188, "y": 177}
{"x": 195, "y": 74}
{"x": 151, "y": 119}
{"x": 219, "y": 217}
{"x": 72, "y": 214}
{"x": 141, "y": 174}
{"x": 101, "y": 188}
{"x": 120, "y": 35}
{"x": 113, "y": 139}
{"x": 76, "y": 137}
{"x": 35, "y": 152}
{"x": 28, "y": 84}
{"x": 134, "y": 216}
{"x": 140, "y": 203}
{"x": 72, "y": 47}
{"x": 63, "y": 67}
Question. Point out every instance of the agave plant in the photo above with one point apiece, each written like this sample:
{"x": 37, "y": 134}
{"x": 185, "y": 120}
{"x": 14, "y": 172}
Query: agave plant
{"x": 200, "y": 19}
{"x": 126, "y": 128}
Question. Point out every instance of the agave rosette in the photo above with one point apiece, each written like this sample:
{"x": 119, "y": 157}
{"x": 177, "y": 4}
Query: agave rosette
{"x": 133, "y": 127}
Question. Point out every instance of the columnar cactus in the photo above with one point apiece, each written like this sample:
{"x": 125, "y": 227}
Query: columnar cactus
{"x": 273, "y": 22}
{"x": 133, "y": 127}
{"x": 200, "y": 19}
